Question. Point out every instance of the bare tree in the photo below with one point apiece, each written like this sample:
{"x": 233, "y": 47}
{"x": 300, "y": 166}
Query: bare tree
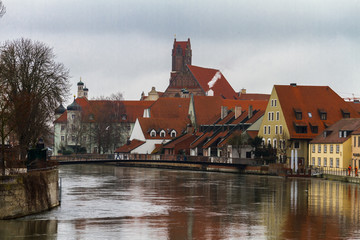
{"x": 109, "y": 129}
{"x": 2, "y": 9}
{"x": 37, "y": 85}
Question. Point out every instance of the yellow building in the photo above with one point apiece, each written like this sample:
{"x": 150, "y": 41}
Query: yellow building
{"x": 297, "y": 114}
{"x": 333, "y": 147}
{"x": 355, "y": 142}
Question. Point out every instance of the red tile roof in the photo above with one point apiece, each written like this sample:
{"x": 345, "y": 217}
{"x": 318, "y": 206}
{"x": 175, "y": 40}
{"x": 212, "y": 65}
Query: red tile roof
{"x": 213, "y": 79}
{"x": 311, "y": 99}
{"x": 254, "y": 96}
{"x": 332, "y": 133}
{"x": 127, "y": 111}
{"x": 158, "y": 124}
{"x": 62, "y": 118}
{"x": 127, "y": 148}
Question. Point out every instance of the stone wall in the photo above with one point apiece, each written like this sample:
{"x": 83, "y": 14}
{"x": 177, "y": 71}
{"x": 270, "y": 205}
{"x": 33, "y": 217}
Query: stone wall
{"x": 30, "y": 193}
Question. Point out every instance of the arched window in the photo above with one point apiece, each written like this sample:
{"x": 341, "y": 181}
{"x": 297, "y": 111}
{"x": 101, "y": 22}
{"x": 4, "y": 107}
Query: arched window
{"x": 153, "y": 133}
{"x": 269, "y": 142}
{"x": 263, "y": 142}
{"x": 162, "y": 133}
{"x": 173, "y": 133}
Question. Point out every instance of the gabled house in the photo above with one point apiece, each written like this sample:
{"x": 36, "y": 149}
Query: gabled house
{"x": 297, "y": 114}
{"x": 332, "y": 148}
{"x": 154, "y": 131}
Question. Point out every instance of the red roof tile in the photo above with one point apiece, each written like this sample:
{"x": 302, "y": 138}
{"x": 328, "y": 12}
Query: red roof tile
{"x": 158, "y": 124}
{"x": 62, "y": 118}
{"x": 129, "y": 146}
{"x": 254, "y": 96}
{"x": 213, "y": 79}
{"x": 311, "y": 99}
{"x": 332, "y": 135}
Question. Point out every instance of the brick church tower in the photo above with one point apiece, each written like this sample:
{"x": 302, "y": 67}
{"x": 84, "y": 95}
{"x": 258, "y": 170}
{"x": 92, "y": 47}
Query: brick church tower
{"x": 181, "y": 81}
{"x": 181, "y": 55}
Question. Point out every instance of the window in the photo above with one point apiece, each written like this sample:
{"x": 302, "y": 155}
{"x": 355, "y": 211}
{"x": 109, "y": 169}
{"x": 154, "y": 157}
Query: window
{"x": 264, "y": 130}
{"x": 358, "y": 141}
{"x": 73, "y": 116}
{"x": 319, "y": 148}
{"x": 73, "y": 138}
{"x": 325, "y": 148}
{"x": 62, "y": 127}
{"x": 62, "y": 138}
{"x": 331, "y": 162}
{"x": 331, "y": 148}
{"x": 297, "y": 144}
{"x": 337, "y": 148}
{"x": 173, "y": 133}
{"x": 323, "y": 115}
{"x": 313, "y": 161}
{"x": 280, "y": 129}
{"x": 298, "y": 115}
{"x": 313, "y": 148}
{"x": 277, "y": 116}
{"x": 337, "y": 162}
{"x": 162, "y": 133}
{"x": 354, "y": 141}
{"x": 314, "y": 129}
{"x": 269, "y": 131}
{"x": 340, "y": 134}
{"x": 153, "y": 133}
{"x": 319, "y": 161}
{"x": 271, "y": 116}
{"x": 325, "y": 161}
{"x": 276, "y": 129}
{"x": 274, "y": 143}
{"x": 275, "y": 102}
{"x": 269, "y": 142}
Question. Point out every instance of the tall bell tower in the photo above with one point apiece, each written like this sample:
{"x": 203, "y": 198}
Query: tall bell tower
{"x": 181, "y": 55}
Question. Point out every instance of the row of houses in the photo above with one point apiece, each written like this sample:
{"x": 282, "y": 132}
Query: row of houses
{"x": 200, "y": 114}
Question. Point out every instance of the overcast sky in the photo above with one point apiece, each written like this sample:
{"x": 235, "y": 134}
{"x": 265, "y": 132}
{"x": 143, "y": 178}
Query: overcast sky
{"x": 125, "y": 45}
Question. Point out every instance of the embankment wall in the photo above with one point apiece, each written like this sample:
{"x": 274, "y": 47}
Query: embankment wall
{"x": 29, "y": 193}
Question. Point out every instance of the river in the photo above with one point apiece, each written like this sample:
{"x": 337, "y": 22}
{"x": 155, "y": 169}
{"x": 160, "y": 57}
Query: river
{"x": 108, "y": 202}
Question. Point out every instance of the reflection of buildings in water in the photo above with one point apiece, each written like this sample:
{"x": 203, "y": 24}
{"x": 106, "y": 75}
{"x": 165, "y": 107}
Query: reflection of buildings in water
{"x": 311, "y": 209}
{"x": 11, "y": 229}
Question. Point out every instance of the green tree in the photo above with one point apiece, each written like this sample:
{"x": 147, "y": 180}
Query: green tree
{"x": 36, "y": 86}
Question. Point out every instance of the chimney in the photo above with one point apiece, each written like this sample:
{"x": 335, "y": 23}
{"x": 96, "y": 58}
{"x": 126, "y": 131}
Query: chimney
{"x": 243, "y": 91}
{"x": 223, "y": 112}
{"x": 250, "y": 114}
{"x": 237, "y": 111}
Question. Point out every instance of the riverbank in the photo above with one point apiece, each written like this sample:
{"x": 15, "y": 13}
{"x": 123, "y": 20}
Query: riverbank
{"x": 26, "y": 194}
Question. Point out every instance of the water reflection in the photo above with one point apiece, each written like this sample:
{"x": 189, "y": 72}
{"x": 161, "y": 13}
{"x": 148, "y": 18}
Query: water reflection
{"x": 137, "y": 203}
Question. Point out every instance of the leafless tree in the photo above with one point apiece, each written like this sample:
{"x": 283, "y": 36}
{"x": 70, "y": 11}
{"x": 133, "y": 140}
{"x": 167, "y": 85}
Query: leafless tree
{"x": 37, "y": 85}
{"x": 109, "y": 128}
{"x": 2, "y": 9}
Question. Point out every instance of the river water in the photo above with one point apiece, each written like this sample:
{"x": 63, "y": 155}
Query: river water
{"x": 108, "y": 202}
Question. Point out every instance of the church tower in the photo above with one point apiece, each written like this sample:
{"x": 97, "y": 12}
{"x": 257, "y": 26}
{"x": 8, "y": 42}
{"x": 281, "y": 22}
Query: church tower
{"x": 181, "y": 55}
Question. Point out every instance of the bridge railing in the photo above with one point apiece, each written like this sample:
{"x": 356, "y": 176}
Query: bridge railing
{"x": 336, "y": 171}
{"x": 153, "y": 157}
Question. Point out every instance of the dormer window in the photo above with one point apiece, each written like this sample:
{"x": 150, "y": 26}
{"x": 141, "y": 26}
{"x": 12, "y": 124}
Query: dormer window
{"x": 345, "y": 113}
{"x": 173, "y": 133}
{"x": 153, "y": 133}
{"x": 162, "y": 133}
{"x": 298, "y": 114}
{"x": 323, "y": 114}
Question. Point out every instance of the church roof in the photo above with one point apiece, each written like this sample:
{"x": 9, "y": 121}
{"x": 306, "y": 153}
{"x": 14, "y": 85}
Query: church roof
{"x": 183, "y": 45}
{"x": 213, "y": 79}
